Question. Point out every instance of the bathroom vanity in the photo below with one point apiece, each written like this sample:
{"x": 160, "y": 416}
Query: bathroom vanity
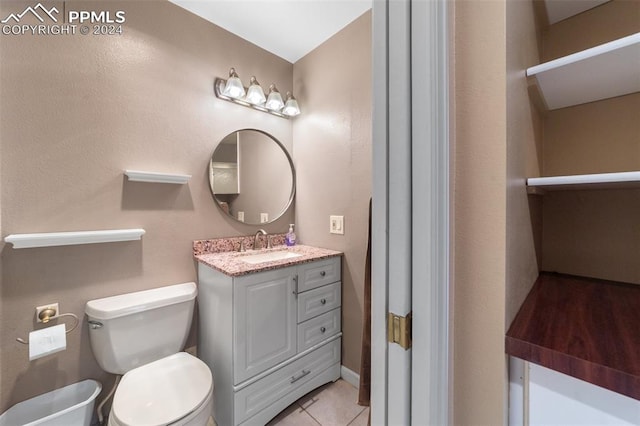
{"x": 269, "y": 330}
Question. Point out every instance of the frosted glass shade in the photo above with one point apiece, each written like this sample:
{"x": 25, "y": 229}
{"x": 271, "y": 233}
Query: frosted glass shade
{"x": 255, "y": 94}
{"x": 291, "y": 106}
{"x": 274, "y": 100}
{"x": 234, "y": 87}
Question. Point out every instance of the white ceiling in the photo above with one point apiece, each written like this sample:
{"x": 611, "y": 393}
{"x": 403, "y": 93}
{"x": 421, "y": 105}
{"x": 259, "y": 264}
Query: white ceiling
{"x": 287, "y": 28}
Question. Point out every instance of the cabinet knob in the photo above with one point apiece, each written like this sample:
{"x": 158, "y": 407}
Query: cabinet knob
{"x": 323, "y": 273}
{"x": 323, "y": 301}
{"x": 322, "y": 329}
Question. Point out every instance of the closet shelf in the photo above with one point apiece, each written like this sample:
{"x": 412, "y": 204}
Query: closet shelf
{"x": 155, "y": 177}
{"x": 51, "y": 239}
{"x": 591, "y": 181}
{"x": 602, "y": 72}
{"x": 557, "y": 10}
{"x": 584, "y": 327}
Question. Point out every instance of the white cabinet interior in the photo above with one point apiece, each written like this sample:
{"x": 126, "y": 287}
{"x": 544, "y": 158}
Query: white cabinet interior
{"x": 579, "y": 234}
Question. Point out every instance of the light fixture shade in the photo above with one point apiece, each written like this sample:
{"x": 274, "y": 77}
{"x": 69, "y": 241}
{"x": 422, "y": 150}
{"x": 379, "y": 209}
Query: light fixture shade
{"x": 234, "y": 87}
{"x": 291, "y": 106}
{"x": 255, "y": 94}
{"x": 274, "y": 100}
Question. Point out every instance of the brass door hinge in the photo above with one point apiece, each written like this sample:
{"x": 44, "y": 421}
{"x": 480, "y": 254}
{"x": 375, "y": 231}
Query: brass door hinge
{"x": 399, "y": 329}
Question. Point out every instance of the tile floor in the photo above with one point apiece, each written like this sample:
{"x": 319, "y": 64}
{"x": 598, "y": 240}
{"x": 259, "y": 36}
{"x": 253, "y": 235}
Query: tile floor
{"x": 334, "y": 404}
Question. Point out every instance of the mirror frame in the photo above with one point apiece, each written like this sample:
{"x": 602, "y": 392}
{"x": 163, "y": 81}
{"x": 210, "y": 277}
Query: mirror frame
{"x": 293, "y": 180}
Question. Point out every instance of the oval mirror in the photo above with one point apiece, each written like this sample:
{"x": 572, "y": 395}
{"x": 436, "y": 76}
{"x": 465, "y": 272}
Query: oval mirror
{"x": 251, "y": 176}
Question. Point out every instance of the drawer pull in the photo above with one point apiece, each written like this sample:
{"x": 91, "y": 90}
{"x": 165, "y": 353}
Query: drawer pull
{"x": 322, "y": 329}
{"x": 304, "y": 373}
{"x": 323, "y": 273}
{"x": 323, "y": 301}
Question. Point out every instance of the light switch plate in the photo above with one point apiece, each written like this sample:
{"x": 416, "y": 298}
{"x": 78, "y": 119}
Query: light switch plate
{"x": 336, "y": 225}
{"x": 264, "y": 217}
{"x": 241, "y": 216}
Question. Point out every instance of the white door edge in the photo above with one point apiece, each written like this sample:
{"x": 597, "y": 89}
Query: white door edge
{"x": 430, "y": 218}
{"x": 398, "y": 395}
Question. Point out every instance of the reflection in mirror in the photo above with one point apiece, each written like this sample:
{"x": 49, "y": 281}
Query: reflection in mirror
{"x": 251, "y": 177}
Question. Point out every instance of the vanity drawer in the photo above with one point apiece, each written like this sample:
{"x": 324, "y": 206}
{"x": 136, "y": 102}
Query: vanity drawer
{"x": 317, "y": 329}
{"x": 318, "y": 301}
{"x": 316, "y": 274}
{"x": 269, "y": 389}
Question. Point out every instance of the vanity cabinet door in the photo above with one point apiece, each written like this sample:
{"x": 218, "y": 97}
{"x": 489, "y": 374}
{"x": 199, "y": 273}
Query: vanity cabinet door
{"x": 265, "y": 313}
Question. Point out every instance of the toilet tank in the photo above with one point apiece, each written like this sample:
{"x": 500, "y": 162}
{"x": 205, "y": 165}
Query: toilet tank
{"x": 133, "y": 329}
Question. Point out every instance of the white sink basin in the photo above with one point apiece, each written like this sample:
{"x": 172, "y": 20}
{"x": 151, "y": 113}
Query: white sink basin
{"x": 270, "y": 256}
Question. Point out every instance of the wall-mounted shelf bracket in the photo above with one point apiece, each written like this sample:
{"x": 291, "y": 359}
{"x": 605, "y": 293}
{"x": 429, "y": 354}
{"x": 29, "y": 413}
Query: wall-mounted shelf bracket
{"x": 534, "y": 190}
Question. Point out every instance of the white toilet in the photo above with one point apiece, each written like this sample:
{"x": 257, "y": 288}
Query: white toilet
{"x": 141, "y": 335}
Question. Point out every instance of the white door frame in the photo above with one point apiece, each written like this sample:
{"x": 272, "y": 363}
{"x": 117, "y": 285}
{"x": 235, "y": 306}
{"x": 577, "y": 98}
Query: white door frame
{"x": 410, "y": 226}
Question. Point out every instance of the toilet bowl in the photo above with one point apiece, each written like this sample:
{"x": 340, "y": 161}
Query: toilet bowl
{"x": 140, "y": 335}
{"x": 174, "y": 390}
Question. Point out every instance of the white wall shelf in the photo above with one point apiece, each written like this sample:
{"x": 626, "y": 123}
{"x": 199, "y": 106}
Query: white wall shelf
{"x": 590, "y": 181}
{"x": 51, "y": 239}
{"x": 557, "y": 10}
{"x": 606, "y": 71}
{"x": 155, "y": 177}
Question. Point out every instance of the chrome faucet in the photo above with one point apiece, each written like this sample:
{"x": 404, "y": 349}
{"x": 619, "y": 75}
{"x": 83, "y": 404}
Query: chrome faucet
{"x": 255, "y": 239}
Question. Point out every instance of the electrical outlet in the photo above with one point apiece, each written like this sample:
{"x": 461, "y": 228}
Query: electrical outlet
{"x": 53, "y": 306}
{"x": 241, "y": 216}
{"x": 264, "y": 217}
{"x": 336, "y": 225}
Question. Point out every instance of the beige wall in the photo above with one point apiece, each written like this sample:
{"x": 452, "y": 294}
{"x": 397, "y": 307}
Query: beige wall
{"x": 524, "y": 156}
{"x": 579, "y": 227}
{"x": 479, "y": 240}
{"x": 332, "y": 154}
{"x": 76, "y": 112}
{"x": 592, "y": 233}
{"x": 598, "y": 137}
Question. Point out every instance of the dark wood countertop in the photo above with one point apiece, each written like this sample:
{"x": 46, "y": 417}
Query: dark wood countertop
{"x": 586, "y": 328}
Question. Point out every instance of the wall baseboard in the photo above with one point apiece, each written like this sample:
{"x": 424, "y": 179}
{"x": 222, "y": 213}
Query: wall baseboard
{"x": 350, "y": 376}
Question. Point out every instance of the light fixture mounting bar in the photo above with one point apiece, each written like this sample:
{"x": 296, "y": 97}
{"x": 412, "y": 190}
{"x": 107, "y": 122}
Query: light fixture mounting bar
{"x": 218, "y": 87}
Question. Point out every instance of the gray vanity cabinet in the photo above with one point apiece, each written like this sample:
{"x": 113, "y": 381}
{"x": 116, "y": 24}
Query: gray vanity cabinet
{"x": 269, "y": 337}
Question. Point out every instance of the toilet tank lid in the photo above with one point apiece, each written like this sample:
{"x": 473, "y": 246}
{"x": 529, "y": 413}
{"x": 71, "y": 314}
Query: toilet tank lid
{"x": 130, "y": 303}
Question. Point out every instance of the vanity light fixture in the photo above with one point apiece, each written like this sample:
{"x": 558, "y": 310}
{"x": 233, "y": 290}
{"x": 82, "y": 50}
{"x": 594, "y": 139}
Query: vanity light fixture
{"x": 232, "y": 90}
{"x": 291, "y": 106}
{"x": 255, "y": 94}
{"x": 274, "y": 100}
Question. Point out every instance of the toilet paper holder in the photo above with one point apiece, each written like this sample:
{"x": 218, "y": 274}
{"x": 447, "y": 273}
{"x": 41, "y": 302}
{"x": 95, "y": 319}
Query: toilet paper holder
{"x": 50, "y": 313}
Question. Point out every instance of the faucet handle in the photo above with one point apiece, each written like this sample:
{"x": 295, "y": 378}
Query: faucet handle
{"x": 269, "y": 245}
{"x": 242, "y": 248}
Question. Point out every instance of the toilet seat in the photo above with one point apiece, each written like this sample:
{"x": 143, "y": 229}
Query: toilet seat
{"x": 162, "y": 392}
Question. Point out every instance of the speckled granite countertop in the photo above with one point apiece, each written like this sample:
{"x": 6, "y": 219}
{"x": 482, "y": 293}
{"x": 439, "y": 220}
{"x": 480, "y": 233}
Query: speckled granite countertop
{"x": 231, "y": 263}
